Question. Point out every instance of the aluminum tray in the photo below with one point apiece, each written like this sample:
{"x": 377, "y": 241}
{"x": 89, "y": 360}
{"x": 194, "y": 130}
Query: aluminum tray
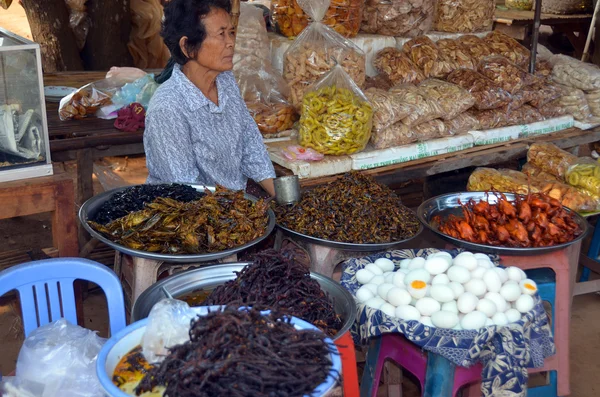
{"x": 448, "y": 204}
{"x": 210, "y": 277}
{"x": 91, "y": 206}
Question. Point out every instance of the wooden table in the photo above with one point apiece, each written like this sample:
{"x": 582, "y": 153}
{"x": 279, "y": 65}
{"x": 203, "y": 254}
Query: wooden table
{"x": 519, "y": 24}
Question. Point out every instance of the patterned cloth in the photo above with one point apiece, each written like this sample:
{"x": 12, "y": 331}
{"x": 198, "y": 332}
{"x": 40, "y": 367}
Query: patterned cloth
{"x": 189, "y": 139}
{"x": 505, "y": 352}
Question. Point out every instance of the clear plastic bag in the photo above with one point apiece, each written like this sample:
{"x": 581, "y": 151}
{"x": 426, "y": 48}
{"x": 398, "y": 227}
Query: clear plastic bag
{"x": 464, "y": 16}
{"x": 574, "y": 102}
{"x": 489, "y": 119}
{"x": 124, "y": 75}
{"x": 430, "y": 130}
{"x": 140, "y": 91}
{"x": 476, "y": 47}
{"x": 552, "y": 109}
{"x": 453, "y": 50}
{"x": 538, "y": 95}
{"x": 524, "y": 115}
{"x": 388, "y": 108}
{"x": 550, "y": 158}
{"x": 316, "y": 51}
{"x": 380, "y": 82}
{"x": 585, "y": 174}
{"x": 61, "y": 358}
{"x": 574, "y": 73}
{"x": 505, "y": 74}
{"x": 168, "y": 325}
{"x": 88, "y": 99}
{"x": 343, "y": 16}
{"x": 489, "y": 179}
{"x": 452, "y": 98}
{"x": 508, "y": 47}
{"x": 593, "y": 100}
{"x": 78, "y": 21}
{"x": 543, "y": 69}
{"x": 523, "y": 5}
{"x": 400, "y": 18}
{"x": 397, "y": 67}
{"x": 395, "y": 135}
{"x": 567, "y": 6}
{"x": 425, "y": 54}
{"x": 336, "y": 116}
{"x": 518, "y": 99}
{"x": 424, "y": 109}
{"x": 487, "y": 94}
{"x": 252, "y": 45}
{"x": 462, "y": 123}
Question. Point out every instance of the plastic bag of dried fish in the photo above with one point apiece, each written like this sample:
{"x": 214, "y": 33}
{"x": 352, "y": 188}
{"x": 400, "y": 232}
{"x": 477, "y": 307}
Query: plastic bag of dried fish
{"x": 316, "y": 51}
{"x": 462, "y": 123}
{"x": 489, "y": 119}
{"x": 574, "y": 73}
{"x": 487, "y": 94}
{"x": 395, "y": 135}
{"x": 430, "y": 130}
{"x": 574, "y": 102}
{"x": 397, "y": 67}
{"x": 476, "y": 47}
{"x": 400, "y": 18}
{"x": 425, "y": 54}
{"x": 453, "y": 50}
{"x": 508, "y": 47}
{"x": 464, "y": 16}
{"x": 505, "y": 73}
{"x": 452, "y": 98}
{"x": 424, "y": 109}
{"x": 388, "y": 108}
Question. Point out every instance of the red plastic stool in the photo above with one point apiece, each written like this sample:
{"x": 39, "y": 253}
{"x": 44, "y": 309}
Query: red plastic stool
{"x": 345, "y": 345}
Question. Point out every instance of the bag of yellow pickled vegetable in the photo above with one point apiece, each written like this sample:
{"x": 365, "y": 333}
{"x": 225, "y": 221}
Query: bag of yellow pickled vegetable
{"x": 336, "y": 116}
{"x": 585, "y": 174}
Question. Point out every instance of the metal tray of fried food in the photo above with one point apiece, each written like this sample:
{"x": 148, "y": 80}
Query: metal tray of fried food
{"x": 347, "y": 246}
{"x": 449, "y": 204}
{"x": 90, "y": 207}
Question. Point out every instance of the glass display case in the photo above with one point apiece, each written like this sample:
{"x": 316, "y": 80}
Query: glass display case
{"x": 24, "y": 146}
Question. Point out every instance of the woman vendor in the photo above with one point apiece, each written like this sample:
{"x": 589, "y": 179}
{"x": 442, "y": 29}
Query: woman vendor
{"x": 198, "y": 129}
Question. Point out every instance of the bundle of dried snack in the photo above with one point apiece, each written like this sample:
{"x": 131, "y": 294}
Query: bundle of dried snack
{"x": 462, "y": 123}
{"x": 574, "y": 102}
{"x": 524, "y": 115}
{"x": 543, "y": 69}
{"x": 251, "y": 38}
{"x": 487, "y": 94}
{"x": 396, "y": 67}
{"x": 85, "y": 102}
{"x": 593, "y": 100}
{"x": 453, "y": 50}
{"x": 452, "y": 98}
{"x": 388, "y": 108}
{"x": 380, "y": 81}
{"x": 489, "y": 179}
{"x": 505, "y": 73}
{"x": 425, "y": 54}
{"x": 536, "y": 174}
{"x": 404, "y": 18}
{"x": 316, "y": 51}
{"x": 489, "y": 119}
{"x": 508, "y": 47}
{"x": 518, "y": 99}
{"x": 552, "y": 109}
{"x": 423, "y": 108}
{"x": 571, "y": 197}
{"x": 572, "y": 72}
{"x": 567, "y": 6}
{"x": 430, "y": 130}
{"x": 476, "y": 47}
{"x": 343, "y": 16}
{"x": 336, "y": 116}
{"x": 464, "y": 16}
{"x": 395, "y": 135}
{"x": 585, "y": 174}
{"x": 522, "y": 5}
{"x": 273, "y": 118}
{"x": 539, "y": 94}
{"x": 551, "y": 159}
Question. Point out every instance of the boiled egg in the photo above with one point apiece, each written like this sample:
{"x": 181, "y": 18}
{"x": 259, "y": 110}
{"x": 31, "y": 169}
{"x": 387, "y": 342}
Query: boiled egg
{"x": 373, "y": 268}
{"x": 408, "y": 313}
{"x": 528, "y": 286}
{"x": 385, "y": 264}
{"x": 427, "y": 306}
{"x": 485, "y": 263}
{"x": 441, "y": 293}
{"x": 442, "y": 254}
{"x": 363, "y": 276}
{"x": 375, "y": 302}
{"x": 498, "y": 300}
{"x": 417, "y": 289}
{"x": 457, "y": 288}
{"x": 426, "y": 320}
{"x": 502, "y": 274}
{"x": 440, "y": 279}
{"x": 398, "y": 279}
{"x": 510, "y": 291}
{"x": 398, "y": 297}
{"x": 513, "y": 315}
{"x": 444, "y": 319}
{"x": 460, "y": 274}
{"x": 436, "y": 265}
{"x": 372, "y": 288}
{"x": 467, "y": 302}
{"x": 487, "y": 307}
{"x": 388, "y": 309}
{"x": 389, "y": 278}
{"x": 404, "y": 263}
{"x": 500, "y": 319}
{"x": 363, "y": 294}
{"x": 416, "y": 263}
{"x": 466, "y": 260}
{"x": 481, "y": 256}
{"x": 479, "y": 272}
{"x": 515, "y": 274}
{"x": 383, "y": 289}
{"x": 417, "y": 274}
{"x": 450, "y": 307}
{"x": 489, "y": 322}
{"x": 476, "y": 287}
{"x": 492, "y": 280}
{"x": 377, "y": 280}
{"x": 524, "y": 304}
{"x": 473, "y": 320}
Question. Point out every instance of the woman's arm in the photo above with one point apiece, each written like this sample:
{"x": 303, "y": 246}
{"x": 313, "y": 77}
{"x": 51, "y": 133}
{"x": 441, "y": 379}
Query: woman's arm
{"x": 256, "y": 163}
{"x": 269, "y": 187}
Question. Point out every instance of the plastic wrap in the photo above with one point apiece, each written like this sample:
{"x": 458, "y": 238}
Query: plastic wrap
{"x": 397, "y": 67}
{"x": 567, "y": 6}
{"x": 388, "y": 108}
{"x": 462, "y": 123}
{"x": 549, "y": 158}
{"x": 252, "y": 45}
{"x": 336, "y": 116}
{"x": 139, "y": 91}
{"x": 476, "y": 47}
{"x": 524, "y": 115}
{"x": 316, "y": 51}
{"x": 538, "y": 95}
{"x": 505, "y": 73}
{"x": 380, "y": 82}
{"x": 425, "y": 54}
{"x": 543, "y": 69}
{"x": 523, "y": 5}
{"x": 87, "y": 100}
{"x": 593, "y": 100}
{"x": 574, "y": 73}
{"x": 489, "y": 119}
{"x": 487, "y": 95}
{"x": 453, "y": 50}
{"x": 343, "y": 16}
{"x": 552, "y": 109}
{"x": 424, "y": 109}
{"x": 452, "y": 98}
{"x": 489, "y": 179}
{"x": 395, "y": 135}
{"x": 403, "y": 18}
{"x": 464, "y": 16}
{"x": 574, "y": 102}
{"x": 78, "y": 21}
{"x": 585, "y": 174}
{"x": 61, "y": 358}
{"x": 430, "y": 130}
{"x": 508, "y": 47}
{"x": 518, "y": 99}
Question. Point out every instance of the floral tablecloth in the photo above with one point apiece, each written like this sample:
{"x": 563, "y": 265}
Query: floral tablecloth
{"x": 505, "y": 352}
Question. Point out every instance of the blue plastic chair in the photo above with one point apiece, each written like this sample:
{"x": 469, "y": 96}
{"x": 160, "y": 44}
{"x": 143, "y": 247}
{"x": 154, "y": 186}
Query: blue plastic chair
{"x": 46, "y": 290}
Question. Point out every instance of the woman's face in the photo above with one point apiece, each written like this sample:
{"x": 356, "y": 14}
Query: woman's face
{"x": 216, "y": 52}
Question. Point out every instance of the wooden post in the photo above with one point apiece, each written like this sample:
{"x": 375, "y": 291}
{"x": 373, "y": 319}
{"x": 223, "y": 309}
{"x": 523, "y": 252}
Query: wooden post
{"x": 235, "y": 13}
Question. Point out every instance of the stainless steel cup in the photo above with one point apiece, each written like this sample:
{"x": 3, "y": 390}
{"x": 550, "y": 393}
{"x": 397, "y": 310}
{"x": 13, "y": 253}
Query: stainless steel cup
{"x": 287, "y": 190}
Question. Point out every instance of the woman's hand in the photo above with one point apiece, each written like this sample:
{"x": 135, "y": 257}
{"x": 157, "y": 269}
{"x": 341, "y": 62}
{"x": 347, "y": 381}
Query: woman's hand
{"x": 267, "y": 184}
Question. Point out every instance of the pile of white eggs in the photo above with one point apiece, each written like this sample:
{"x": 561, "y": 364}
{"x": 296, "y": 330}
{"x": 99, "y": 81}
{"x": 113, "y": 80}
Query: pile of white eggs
{"x": 467, "y": 292}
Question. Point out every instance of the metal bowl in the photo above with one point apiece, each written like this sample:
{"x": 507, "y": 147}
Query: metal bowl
{"x": 89, "y": 209}
{"x": 181, "y": 284}
{"x": 448, "y": 204}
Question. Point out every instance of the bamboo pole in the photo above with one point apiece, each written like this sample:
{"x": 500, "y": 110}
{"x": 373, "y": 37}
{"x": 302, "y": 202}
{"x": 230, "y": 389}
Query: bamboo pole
{"x": 235, "y": 13}
{"x": 586, "y": 50}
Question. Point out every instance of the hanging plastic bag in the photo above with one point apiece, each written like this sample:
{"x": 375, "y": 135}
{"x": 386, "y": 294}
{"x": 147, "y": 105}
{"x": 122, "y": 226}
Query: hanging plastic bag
{"x": 388, "y": 108}
{"x": 464, "y": 16}
{"x": 397, "y": 67}
{"x": 62, "y": 358}
{"x": 452, "y": 98}
{"x": 316, "y": 51}
{"x": 336, "y": 116}
{"x": 487, "y": 94}
{"x": 400, "y": 18}
{"x": 78, "y": 21}
{"x": 252, "y": 45}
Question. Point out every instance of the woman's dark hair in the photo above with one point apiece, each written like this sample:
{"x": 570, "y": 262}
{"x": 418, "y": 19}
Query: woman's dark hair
{"x": 184, "y": 18}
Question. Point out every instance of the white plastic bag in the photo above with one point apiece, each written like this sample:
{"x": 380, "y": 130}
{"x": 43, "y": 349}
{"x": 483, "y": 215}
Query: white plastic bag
{"x": 61, "y": 357}
{"x": 168, "y": 325}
